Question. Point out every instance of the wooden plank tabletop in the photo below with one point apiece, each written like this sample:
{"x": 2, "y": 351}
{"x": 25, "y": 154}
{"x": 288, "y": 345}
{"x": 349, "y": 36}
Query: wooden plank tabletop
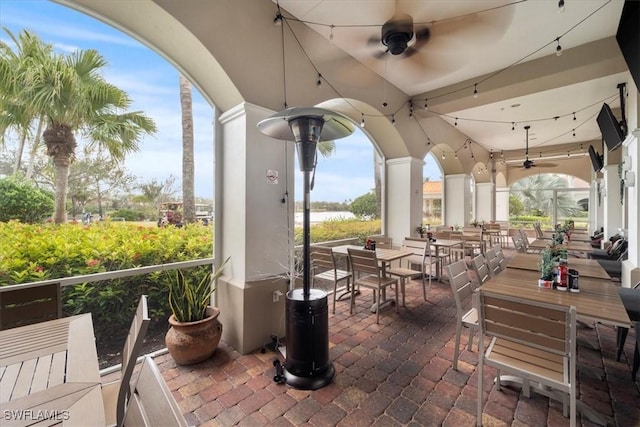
{"x": 586, "y": 267}
{"x": 597, "y": 300}
{"x": 571, "y": 246}
{"x": 62, "y": 349}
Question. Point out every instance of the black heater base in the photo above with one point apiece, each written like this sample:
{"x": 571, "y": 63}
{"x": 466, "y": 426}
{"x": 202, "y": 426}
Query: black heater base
{"x": 307, "y": 365}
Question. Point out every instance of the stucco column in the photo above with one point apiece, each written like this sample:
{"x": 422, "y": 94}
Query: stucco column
{"x": 631, "y": 267}
{"x": 256, "y": 215}
{"x": 485, "y": 201}
{"x": 457, "y": 199}
{"x": 612, "y": 218}
{"x": 502, "y": 204}
{"x": 403, "y": 197}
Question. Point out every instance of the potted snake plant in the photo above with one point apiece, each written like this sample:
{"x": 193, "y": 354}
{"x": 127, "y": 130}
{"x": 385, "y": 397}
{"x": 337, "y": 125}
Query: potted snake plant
{"x": 195, "y": 331}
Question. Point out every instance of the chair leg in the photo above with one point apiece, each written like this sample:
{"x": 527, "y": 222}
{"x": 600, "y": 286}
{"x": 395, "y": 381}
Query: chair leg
{"x": 335, "y": 291}
{"x": 621, "y": 338}
{"x": 480, "y": 395}
{"x": 457, "y": 345}
{"x": 470, "y": 343}
{"x": 377, "y": 302}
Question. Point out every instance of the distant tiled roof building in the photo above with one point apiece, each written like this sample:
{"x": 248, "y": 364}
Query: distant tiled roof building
{"x": 431, "y": 192}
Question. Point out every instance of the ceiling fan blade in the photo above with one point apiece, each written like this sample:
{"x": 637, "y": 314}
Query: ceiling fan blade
{"x": 422, "y": 36}
{"x": 374, "y": 40}
{"x": 546, "y": 165}
{"x": 380, "y": 54}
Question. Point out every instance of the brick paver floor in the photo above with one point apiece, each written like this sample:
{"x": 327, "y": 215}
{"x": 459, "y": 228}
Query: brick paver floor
{"x": 397, "y": 373}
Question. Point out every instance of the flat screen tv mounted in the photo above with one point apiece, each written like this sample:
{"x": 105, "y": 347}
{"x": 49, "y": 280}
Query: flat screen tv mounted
{"x": 610, "y": 128}
{"x": 596, "y": 159}
{"x": 628, "y": 37}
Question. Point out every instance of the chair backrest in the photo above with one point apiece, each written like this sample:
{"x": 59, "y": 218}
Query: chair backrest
{"x": 442, "y": 234}
{"x": 524, "y": 237}
{"x": 460, "y": 284}
{"x": 20, "y": 305}
{"x": 538, "y": 229}
{"x": 382, "y": 242}
{"x": 502, "y": 261}
{"x": 420, "y": 249}
{"x": 518, "y": 244}
{"x": 363, "y": 261}
{"x": 322, "y": 259}
{"x": 493, "y": 261}
{"x": 130, "y": 352}
{"x": 481, "y": 268}
{"x": 545, "y": 326}
{"x": 152, "y": 403}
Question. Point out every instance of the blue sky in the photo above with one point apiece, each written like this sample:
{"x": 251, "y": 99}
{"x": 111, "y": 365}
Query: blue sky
{"x": 152, "y": 84}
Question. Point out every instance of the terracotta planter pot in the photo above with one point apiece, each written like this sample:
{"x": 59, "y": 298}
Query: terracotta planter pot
{"x": 194, "y": 342}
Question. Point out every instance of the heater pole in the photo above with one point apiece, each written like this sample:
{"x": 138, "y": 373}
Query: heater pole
{"x": 306, "y": 236}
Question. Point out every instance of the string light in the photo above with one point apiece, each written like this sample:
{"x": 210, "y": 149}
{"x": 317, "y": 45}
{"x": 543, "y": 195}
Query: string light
{"x": 319, "y": 82}
{"x": 568, "y": 154}
{"x": 410, "y": 109}
{"x": 558, "y": 48}
{"x": 455, "y": 155}
{"x": 443, "y": 156}
{"x": 426, "y": 105}
{"x": 560, "y": 6}
{"x": 331, "y": 32}
{"x": 513, "y": 125}
{"x": 574, "y": 133}
{"x": 574, "y": 117}
{"x": 456, "y": 121}
{"x": 362, "y": 121}
{"x": 475, "y": 90}
{"x": 393, "y": 120}
{"x": 277, "y": 21}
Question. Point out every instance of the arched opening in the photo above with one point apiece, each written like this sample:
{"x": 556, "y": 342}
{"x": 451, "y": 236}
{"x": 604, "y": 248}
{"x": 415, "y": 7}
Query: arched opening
{"x": 432, "y": 190}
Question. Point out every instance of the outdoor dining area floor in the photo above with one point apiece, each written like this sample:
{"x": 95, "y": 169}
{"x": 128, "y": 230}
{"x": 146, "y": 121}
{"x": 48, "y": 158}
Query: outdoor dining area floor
{"x": 396, "y": 373}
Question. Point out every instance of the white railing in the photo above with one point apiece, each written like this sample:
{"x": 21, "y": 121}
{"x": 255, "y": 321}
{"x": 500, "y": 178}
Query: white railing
{"x": 110, "y": 275}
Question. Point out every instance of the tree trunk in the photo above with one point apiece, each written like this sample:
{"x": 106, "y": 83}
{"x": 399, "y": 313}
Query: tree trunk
{"x": 34, "y": 149}
{"x": 61, "y": 146}
{"x": 16, "y": 165}
{"x": 188, "y": 196}
{"x": 377, "y": 170}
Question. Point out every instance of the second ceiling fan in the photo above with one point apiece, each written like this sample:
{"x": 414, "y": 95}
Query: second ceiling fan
{"x": 528, "y": 164}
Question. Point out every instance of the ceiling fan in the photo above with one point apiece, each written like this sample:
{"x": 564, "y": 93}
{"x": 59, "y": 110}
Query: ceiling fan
{"x": 528, "y": 164}
{"x": 396, "y": 35}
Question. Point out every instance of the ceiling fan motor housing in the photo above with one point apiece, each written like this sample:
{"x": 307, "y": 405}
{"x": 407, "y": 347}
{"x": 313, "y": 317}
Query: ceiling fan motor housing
{"x": 397, "y": 33}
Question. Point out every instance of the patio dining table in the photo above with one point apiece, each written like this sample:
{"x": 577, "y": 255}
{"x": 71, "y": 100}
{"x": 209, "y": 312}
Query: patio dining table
{"x": 572, "y": 246}
{"x": 49, "y": 374}
{"x": 598, "y": 300}
{"x": 385, "y": 256}
{"x": 586, "y": 267}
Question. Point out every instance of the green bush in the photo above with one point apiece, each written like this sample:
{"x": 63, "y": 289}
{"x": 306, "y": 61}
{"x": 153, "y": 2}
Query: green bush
{"x": 39, "y": 252}
{"x": 21, "y": 200}
{"x": 340, "y": 229}
{"x": 365, "y": 206}
{"x": 129, "y": 215}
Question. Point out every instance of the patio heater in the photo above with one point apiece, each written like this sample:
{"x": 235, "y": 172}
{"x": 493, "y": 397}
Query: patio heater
{"x": 307, "y": 364}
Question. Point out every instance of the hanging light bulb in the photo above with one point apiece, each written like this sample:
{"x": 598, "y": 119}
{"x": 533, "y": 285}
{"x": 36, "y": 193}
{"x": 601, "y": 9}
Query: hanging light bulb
{"x": 574, "y": 133}
{"x": 331, "y": 32}
{"x": 428, "y": 141}
{"x": 277, "y": 21}
{"x": 455, "y": 155}
{"x": 410, "y": 109}
{"x": 574, "y": 117}
{"x": 558, "y": 48}
{"x": 456, "y": 121}
{"x": 426, "y": 105}
{"x": 502, "y": 154}
{"x": 475, "y": 90}
{"x": 513, "y": 125}
{"x": 491, "y": 155}
{"x": 443, "y": 156}
{"x": 393, "y": 120}
{"x": 362, "y": 121}
{"x": 319, "y": 82}
{"x": 568, "y": 154}
{"x": 560, "y": 6}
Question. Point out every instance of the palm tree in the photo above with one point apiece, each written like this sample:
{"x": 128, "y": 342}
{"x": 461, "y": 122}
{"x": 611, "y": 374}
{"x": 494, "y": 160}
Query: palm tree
{"x": 14, "y": 114}
{"x": 537, "y": 195}
{"x": 71, "y": 94}
{"x": 188, "y": 196}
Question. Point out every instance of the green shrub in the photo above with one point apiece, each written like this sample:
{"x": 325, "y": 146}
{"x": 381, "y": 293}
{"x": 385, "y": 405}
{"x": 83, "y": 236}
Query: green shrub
{"x": 340, "y": 229}
{"x": 365, "y": 206}
{"x": 38, "y": 252}
{"x": 21, "y": 200}
{"x": 129, "y": 215}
